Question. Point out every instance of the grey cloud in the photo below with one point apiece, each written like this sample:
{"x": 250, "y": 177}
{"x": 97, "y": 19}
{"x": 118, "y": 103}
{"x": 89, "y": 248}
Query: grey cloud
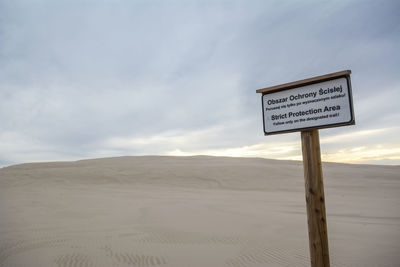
{"x": 74, "y": 74}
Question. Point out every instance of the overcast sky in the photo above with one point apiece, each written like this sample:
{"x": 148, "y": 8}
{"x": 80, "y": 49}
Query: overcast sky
{"x": 85, "y": 79}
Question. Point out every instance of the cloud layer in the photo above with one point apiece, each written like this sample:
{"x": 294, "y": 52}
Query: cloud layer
{"x": 85, "y": 79}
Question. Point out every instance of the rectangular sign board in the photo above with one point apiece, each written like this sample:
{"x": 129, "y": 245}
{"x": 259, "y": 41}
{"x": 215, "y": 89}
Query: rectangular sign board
{"x": 318, "y": 103}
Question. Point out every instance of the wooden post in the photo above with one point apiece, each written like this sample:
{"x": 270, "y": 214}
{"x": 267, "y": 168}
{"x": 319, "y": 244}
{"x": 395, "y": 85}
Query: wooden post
{"x": 316, "y": 217}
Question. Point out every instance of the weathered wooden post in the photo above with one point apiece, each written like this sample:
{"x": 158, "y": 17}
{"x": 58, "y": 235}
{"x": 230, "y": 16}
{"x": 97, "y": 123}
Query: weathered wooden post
{"x": 306, "y": 106}
{"x": 315, "y": 198}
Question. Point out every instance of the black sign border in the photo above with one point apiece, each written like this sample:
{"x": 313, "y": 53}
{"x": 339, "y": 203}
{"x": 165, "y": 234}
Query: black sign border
{"x": 350, "y": 122}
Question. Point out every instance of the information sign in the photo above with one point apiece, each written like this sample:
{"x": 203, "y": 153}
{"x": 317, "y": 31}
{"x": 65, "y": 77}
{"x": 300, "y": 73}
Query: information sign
{"x": 314, "y": 105}
{"x": 307, "y": 105}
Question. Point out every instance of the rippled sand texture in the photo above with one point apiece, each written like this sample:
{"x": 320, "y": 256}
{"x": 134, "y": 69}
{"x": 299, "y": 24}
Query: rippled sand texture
{"x": 192, "y": 211}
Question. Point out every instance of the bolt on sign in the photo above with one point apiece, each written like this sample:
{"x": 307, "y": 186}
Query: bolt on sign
{"x": 306, "y": 106}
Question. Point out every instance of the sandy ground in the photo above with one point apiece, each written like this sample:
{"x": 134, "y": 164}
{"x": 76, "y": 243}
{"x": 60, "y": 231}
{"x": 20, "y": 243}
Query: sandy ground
{"x": 192, "y": 211}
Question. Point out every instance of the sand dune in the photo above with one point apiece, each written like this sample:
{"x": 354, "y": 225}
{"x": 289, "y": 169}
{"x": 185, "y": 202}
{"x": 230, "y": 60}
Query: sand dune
{"x": 192, "y": 211}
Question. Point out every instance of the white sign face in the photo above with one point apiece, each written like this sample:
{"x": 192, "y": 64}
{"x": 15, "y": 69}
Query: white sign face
{"x": 318, "y": 105}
